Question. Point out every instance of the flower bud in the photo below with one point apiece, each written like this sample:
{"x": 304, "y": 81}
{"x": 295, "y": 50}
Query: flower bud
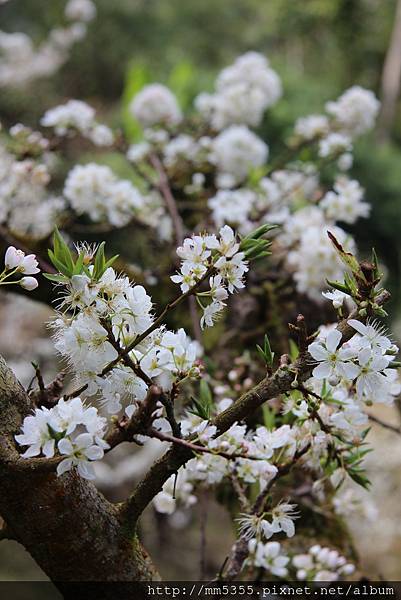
{"x": 29, "y": 283}
{"x": 13, "y": 258}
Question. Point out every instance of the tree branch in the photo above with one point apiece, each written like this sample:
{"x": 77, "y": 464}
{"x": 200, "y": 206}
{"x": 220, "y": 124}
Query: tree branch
{"x": 389, "y": 426}
{"x": 59, "y": 520}
{"x": 164, "y": 188}
{"x": 270, "y": 387}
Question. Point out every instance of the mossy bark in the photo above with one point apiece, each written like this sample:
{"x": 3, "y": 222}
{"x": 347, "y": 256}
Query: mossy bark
{"x": 69, "y": 528}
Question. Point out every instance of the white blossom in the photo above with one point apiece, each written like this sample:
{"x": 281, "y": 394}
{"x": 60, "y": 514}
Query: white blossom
{"x": 355, "y": 110}
{"x": 345, "y": 203}
{"x": 155, "y": 104}
{"x": 68, "y": 429}
{"x": 332, "y": 360}
{"x": 80, "y": 10}
{"x": 311, "y": 127}
{"x": 243, "y": 91}
{"x": 269, "y": 557}
{"x": 237, "y": 150}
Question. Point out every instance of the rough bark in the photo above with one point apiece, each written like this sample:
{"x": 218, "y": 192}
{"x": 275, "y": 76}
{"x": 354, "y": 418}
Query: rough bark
{"x": 68, "y": 527}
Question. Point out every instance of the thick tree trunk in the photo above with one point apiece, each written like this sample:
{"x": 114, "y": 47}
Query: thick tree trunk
{"x": 68, "y": 527}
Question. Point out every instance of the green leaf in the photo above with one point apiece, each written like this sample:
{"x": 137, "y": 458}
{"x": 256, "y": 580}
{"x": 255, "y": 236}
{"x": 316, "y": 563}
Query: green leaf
{"x": 269, "y": 417}
{"x": 62, "y": 251}
{"x": 98, "y": 267}
{"x": 337, "y": 285}
{"x": 294, "y": 351}
{"x": 375, "y": 261}
{"x": 347, "y": 258}
{"x": 56, "y": 278}
{"x": 110, "y": 262}
{"x": 266, "y": 353}
{"x": 261, "y": 352}
{"x": 60, "y": 266}
{"x": 259, "y": 232}
{"x": 78, "y": 267}
{"x": 351, "y": 284}
{"x": 205, "y": 393}
{"x": 361, "y": 480}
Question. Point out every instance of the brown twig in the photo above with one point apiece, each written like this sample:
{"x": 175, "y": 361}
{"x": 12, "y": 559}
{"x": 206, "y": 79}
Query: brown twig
{"x": 197, "y": 448}
{"x": 164, "y": 188}
{"x": 179, "y": 230}
{"x": 140, "y": 421}
{"x": 389, "y": 426}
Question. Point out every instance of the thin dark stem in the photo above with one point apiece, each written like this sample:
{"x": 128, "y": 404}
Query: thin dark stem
{"x": 389, "y": 426}
{"x": 197, "y": 448}
{"x": 178, "y": 226}
{"x": 164, "y": 188}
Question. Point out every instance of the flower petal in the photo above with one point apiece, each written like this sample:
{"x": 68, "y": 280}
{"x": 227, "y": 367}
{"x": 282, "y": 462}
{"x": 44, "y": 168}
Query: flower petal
{"x": 322, "y": 371}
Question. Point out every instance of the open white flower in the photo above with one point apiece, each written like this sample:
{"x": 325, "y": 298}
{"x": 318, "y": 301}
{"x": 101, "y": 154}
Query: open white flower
{"x": 372, "y": 334}
{"x": 36, "y": 435}
{"x": 211, "y": 313}
{"x": 333, "y": 360}
{"x": 370, "y": 378}
{"x": 269, "y": 557}
{"x": 78, "y": 454}
{"x": 282, "y": 519}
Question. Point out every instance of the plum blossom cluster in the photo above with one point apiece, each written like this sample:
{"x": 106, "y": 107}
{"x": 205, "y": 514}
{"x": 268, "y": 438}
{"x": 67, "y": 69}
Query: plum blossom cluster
{"x": 78, "y": 116}
{"x": 251, "y": 456}
{"x": 235, "y": 152}
{"x": 17, "y": 263}
{"x": 70, "y": 430}
{"x": 247, "y": 188}
{"x": 217, "y": 170}
{"x": 107, "y": 315}
{"x": 309, "y": 255}
{"x": 22, "y": 63}
{"x": 345, "y": 203}
{"x": 351, "y": 115}
{"x": 269, "y": 556}
{"x": 243, "y": 92}
{"x": 365, "y": 361}
{"x": 217, "y": 256}
{"x": 26, "y": 206}
{"x": 321, "y": 564}
{"x": 156, "y": 105}
{"x": 94, "y": 190}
